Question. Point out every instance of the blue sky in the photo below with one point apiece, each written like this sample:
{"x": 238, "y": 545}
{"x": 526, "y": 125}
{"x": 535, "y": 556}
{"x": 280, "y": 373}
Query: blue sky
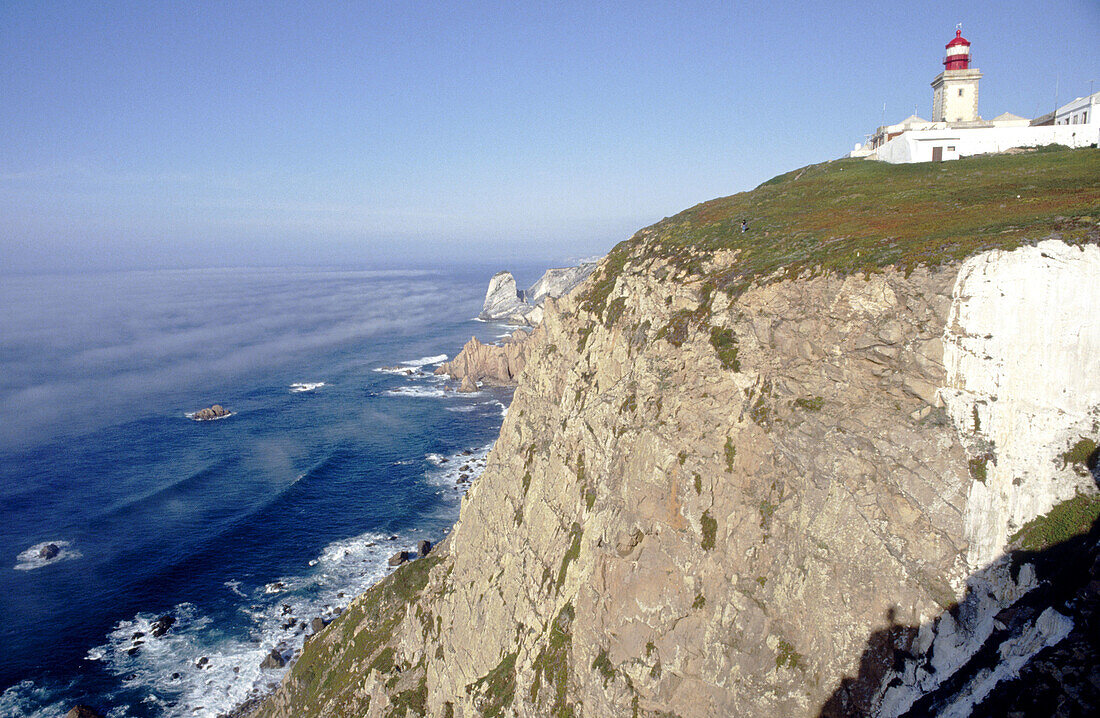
{"x": 157, "y": 134}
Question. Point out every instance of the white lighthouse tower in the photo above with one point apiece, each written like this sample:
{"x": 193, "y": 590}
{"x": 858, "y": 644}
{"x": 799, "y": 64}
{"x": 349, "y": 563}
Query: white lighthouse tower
{"x": 955, "y": 90}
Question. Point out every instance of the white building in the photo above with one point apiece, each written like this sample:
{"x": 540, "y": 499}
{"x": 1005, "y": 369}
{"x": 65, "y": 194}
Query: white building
{"x": 956, "y": 130}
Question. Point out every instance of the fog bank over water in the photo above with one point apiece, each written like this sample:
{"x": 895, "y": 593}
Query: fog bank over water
{"x": 79, "y": 351}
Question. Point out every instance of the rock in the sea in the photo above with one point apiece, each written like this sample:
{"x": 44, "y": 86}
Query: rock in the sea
{"x": 491, "y": 363}
{"x": 161, "y": 625}
{"x": 424, "y": 547}
{"x": 503, "y": 300}
{"x": 399, "y": 558}
{"x": 468, "y": 386}
{"x": 83, "y": 711}
{"x": 317, "y": 624}
{"x": 216, "y": 411}
{"x": 49, "y": 551}
{"x": 273, "y": 660}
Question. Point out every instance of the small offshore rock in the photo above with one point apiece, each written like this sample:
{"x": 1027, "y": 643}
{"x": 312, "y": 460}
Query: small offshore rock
{"x": 216, "y": 411}
{"x": 83, "y": 711}
{"x": 424, "y": 547}
{"x": 49, "y": 551}
{"x": 274, "y": 660}
{"x": 399, "y": 558}
{"x": 317, "y": 624}
{"x": 202, "y": 662}
{"x": 161, "y": 625}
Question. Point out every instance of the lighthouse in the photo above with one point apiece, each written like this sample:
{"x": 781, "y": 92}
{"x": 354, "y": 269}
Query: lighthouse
{"x": 955, "y": 90}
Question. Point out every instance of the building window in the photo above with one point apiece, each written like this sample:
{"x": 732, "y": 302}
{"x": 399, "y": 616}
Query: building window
{"x": 960, "y": 92}
{"x": 951, "y": 148}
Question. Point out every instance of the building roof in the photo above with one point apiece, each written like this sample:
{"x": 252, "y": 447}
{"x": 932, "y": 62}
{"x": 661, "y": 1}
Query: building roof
{"x": 1008, "y": 116}
{"x": 959, "y": 40}
{"x": 913, "y": 120}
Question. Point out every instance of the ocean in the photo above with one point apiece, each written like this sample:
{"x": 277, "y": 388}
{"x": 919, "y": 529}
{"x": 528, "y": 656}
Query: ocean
{"x": 242, "y": 529}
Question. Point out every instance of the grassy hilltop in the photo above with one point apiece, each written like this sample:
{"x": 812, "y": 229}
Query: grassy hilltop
{"x": 855, "y": 215}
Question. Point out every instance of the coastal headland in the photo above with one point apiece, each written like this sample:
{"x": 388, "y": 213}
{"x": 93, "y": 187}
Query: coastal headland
{"x": 841, "y": 464}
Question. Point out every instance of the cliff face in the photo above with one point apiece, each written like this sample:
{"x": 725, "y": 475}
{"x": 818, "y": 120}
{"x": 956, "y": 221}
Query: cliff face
{"x": 716, "y": 492}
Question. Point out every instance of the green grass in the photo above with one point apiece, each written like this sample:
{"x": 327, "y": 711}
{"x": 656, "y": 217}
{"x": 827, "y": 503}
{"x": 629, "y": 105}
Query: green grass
{"x": 699, "y": 602}
{"x": 710, "y": 530}
{"x": 787, "y": 657}
{"x": 552, "y": 665}
{"x": 571, "y": 554}
{"x": 978, "y": 470}
{"x": 1079, "y": 453}
{"x": 725, "y": 346}
{"x": 613, "y": 311}
{"x": 813, "y": 403}
{"x": 731, "y": 454}
{"x": 1066, "y": 520}
{"x": 497, "y": 688}
{"x": 851, "y": 216}
{"x": 602, "y": 665}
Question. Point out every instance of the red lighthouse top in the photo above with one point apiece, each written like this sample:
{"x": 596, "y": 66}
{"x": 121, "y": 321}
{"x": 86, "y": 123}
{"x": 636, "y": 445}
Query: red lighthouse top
{"x": 958, "y": 53}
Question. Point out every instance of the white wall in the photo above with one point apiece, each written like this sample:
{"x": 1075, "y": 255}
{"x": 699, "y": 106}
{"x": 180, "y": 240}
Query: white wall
{"x": 916, "y": 146}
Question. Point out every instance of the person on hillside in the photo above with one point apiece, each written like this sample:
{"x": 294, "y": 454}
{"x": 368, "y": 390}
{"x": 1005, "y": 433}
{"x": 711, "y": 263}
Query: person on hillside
{"x": 744, "y": 226}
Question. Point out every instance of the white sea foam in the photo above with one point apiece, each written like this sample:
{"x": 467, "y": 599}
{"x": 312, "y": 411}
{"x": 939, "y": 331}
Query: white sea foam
{"x": 399, "y": 370}
{"x": 195, "y": 669}
{"x": 464, "y": 409}
{"x": 459, "y": 470}
{"x": 420, "y": 392}
{"x": 29, "y": 559}
{"x": 34, "y": 699}
{"x": 425, "y": 361}
{"x": 299, "y": 387}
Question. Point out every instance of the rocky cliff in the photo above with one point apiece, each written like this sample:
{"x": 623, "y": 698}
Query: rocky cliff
{"x": 823, "y": 468}
{"x": 503, "y": 301}
{"x": 498, "y": 364}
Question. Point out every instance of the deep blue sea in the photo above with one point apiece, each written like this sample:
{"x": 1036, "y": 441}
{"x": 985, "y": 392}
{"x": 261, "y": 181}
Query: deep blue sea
{"x": 241, "y": 529}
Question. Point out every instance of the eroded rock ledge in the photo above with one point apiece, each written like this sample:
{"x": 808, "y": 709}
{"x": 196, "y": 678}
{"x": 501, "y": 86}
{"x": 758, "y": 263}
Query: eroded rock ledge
{"x": 497, "y": 364}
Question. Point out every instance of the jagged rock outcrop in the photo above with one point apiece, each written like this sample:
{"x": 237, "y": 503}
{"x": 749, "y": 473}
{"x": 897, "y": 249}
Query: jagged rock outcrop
{"x": 721, "y": 490}
{"x": 497, "y": 364}
{"x": 502, "y": 298}
{"x": 504, "y": 301}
